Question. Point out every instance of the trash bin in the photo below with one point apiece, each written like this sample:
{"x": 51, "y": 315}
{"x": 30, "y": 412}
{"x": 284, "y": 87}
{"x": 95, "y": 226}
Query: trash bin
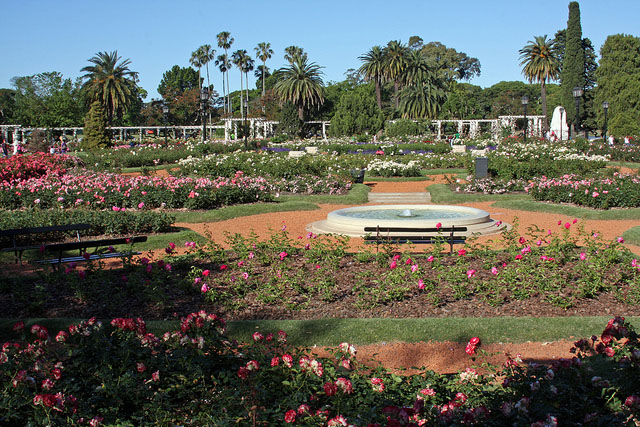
{"x": 358, "y": 176}
{"x": 482, "y": 167}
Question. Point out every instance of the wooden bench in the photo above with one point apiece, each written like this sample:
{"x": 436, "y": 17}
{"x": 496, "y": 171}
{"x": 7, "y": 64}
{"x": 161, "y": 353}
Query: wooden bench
{"x": 418, "y": 235}
{"x": 19, "y": 235}
{"x": 102, "y": 249}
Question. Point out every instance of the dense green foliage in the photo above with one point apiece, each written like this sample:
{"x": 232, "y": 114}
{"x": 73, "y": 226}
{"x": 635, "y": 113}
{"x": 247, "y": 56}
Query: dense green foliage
{"x": 102, "y": 222}
{"x": 572, "y": 75}
{"x": 619, "y": 84}
{"x": 95, "y": 133}
{"x": 357, "y": 113}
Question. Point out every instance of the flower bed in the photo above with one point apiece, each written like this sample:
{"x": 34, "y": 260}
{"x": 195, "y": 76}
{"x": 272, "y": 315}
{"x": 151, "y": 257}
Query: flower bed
{"x": 113, "y": 191}
{"x": 121, "y": 374}
{"x": 621, "y": 190}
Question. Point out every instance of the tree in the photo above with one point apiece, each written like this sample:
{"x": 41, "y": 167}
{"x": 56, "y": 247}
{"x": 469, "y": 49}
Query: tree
{"x": 290, "y": 123}
{"x": 464, "y": 100}
{"x": 47, "y": 100}
{"x": 291, "y": 52}
{"x": 357, "y": 113}
{"x": 301, "y": 84}
{"x": 95, "y": 134}
{"x": 196, "y": 61}
{"x": 618, "y": 78}
{"x": 7, "y": 106}
{"x": 373, "y": 69}
{"x": 205, "y": 55}
{"x": 239, "y": 58}
{"x": 572, "y": 74}
{"x": 180, "y": 89}
{"x": 247, "y": 67}
{"x": 224, "y": 42}
{"x": 539, "y": 65}
{"x": 588, "y": 113}
{"x": 395, "y": 54}
{"x": 224, "y": 65}
{"x": 452, "y": 64}
{"x": 415, "y": 42}
{"x": 110, "y": 81}
{"x": 263, "y": 52}
{"x": 422, "y": 101}
{"x": 178, "y": 80}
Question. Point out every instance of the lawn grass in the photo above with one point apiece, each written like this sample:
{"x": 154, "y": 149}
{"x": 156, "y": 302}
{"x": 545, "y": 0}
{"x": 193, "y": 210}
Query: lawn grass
{"x": 573, "y": 211}
{"x": 441, "y": 193}
{"x": 632, "y": 236}
{"x": 236, "y": 211}
{"x": 161, "y": 241}
{"x": 331, "y": 332}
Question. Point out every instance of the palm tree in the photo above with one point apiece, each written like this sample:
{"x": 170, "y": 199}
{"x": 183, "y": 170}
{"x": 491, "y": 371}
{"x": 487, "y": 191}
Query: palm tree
{"x": 263, "y": 52}
{"x": 421, "y": 101}
{"x": 207, "y": 54}
{"x": 224, "y": 42}
{"x": 301, "y": 84}
{"x": 196, "y": 61}
{"x": 224, "y": 65}
{"x": 540, "y": 64}
{"x": 373, "y": 68}
{"x": 247, "y": 66}
{"x": 396, "y": 61}
{"x": 110, "y": 81}
{"x": 291, "y": 52}
{"x": 238, "y": 58}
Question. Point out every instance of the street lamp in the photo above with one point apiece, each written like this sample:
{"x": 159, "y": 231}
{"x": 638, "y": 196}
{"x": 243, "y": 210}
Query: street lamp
{"x": 605, "y": 107}
{"x": 204, "y": 98}
{"x": 577, "y": 94}
{"x": 246, "y": 112}
{"x": 561, "y": 121}
{"x": 165, "y": 113}
{"x": 525, "y": 102}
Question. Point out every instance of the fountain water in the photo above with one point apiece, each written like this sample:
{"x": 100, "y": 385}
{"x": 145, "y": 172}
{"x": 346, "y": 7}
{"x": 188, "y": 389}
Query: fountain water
{"x": 352, "y": 221}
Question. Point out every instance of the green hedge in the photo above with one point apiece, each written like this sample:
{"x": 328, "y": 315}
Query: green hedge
{"x": 102, "y": 222}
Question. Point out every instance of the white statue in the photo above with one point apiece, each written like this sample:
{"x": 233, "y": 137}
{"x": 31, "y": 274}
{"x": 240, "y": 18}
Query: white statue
{"x": 559, "y": 129}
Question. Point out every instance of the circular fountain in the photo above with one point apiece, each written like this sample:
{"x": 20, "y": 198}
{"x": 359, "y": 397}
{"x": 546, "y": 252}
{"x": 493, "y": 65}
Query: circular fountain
{"x": 352, "y": 221}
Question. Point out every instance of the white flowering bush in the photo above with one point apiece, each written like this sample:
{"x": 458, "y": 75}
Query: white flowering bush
{"x": 387, "y": 168}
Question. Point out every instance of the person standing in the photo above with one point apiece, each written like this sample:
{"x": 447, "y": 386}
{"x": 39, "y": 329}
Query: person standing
{"x": 5, "y": 148}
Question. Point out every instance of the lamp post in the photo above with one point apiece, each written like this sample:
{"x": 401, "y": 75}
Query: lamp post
{"x": 244, "y": 128}
{"x": 577, "y": 94}
{"x": 204, "y": 98}
{"x": 605, "y": 107}
{"x": 561, "y": 121}
{"x": 165, "y": 113}
{"x": 525, "y": 102}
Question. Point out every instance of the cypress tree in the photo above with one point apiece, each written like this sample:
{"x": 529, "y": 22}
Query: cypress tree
{"x": 95, "y": 134}
{"x": 573, "y": 62}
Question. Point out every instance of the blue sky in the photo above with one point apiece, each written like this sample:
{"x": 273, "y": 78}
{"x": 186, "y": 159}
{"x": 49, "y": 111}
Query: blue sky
{"x": 46, "y": 35}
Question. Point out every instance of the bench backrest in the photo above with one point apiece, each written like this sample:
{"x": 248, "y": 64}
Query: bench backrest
{"x": 415, "y": 229}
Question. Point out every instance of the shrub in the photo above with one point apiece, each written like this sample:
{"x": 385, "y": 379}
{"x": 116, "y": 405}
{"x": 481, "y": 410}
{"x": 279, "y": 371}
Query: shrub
{"x": 404, "y": 127}
{"x": 95, "y": 134}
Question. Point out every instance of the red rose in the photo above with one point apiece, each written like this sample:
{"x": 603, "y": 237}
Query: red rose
{"x": 290, "y": 416}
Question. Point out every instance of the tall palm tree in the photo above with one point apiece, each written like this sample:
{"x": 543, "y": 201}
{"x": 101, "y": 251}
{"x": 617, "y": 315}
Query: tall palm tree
{"x": 301, "y": 84}
{"x": 110, "y": 81}
{"x": 207, "y": 54}
{"x": 224, "y": 42}
{"x": 238, "y": 59}
{"x": 290, "y": 52}
{"x": 373, "y": 68}
{"x": 540, "y": 64}
{"x": 196, "y": 61}
{"x": 224, "y": 65}
{"x": 395, "y": 53}
{"x": 247, "y": 66}
{"x": 263, "y": 52}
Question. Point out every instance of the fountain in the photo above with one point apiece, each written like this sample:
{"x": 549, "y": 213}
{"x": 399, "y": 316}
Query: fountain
{"x": 352, "y": 221}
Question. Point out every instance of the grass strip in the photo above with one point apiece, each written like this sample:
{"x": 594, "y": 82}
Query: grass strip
{"x": 632, "y": 236}
{"x": 236, "y": 211}
{"x": 331, "y": 332}
{"x": 573, "y": 211}
{"x": 441, "y": 193}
